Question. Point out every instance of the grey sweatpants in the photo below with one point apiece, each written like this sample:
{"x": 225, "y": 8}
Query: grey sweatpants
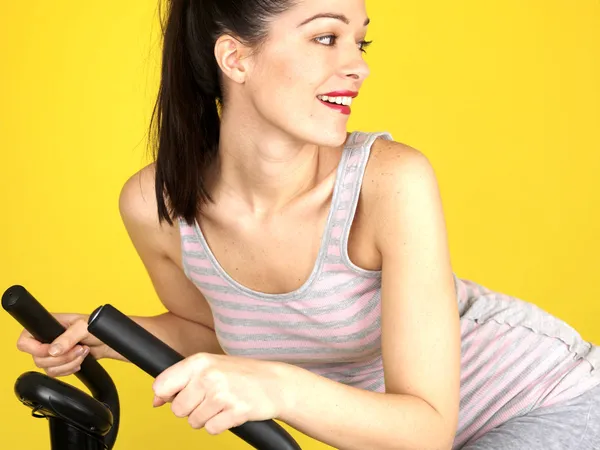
{"x": 574, "y": 424}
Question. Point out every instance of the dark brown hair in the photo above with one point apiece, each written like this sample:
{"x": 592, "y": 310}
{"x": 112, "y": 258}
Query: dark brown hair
{"x": 185, "y": 123}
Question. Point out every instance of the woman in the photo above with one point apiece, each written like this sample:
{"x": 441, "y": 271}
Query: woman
{"x": 306, "y": 270}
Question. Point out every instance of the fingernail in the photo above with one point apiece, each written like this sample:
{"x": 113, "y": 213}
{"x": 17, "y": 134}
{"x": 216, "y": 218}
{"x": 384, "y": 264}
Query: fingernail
{"x": 55, "y": 349}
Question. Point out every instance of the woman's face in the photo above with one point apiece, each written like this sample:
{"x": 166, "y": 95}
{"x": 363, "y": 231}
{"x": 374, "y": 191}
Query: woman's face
{"x": 303, "y": 60}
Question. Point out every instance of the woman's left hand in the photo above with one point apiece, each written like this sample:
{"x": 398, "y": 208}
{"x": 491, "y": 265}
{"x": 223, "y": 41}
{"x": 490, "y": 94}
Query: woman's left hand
{"x": 218, "y": 392}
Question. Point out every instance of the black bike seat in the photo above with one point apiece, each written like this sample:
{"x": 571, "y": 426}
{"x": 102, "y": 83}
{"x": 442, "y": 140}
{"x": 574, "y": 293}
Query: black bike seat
{"x": 49, "y": 397}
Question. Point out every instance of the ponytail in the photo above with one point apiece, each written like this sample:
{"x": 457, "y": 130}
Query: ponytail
{"x": 185, "y": 114}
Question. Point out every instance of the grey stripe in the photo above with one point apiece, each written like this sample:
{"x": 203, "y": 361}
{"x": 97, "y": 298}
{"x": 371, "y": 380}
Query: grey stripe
{"x": 375, "y": 386}
{"x": 195, "y": 254}
{"x": 278, "y": 337}
{"x": 371, "y": 368}
{"x": 193, "y": 239}
{"x": 374, "y": 345}
{"x": 301, "y": 326}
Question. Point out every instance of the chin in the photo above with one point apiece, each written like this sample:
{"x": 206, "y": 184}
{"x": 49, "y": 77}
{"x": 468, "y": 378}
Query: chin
{"x": 326, "y": 136}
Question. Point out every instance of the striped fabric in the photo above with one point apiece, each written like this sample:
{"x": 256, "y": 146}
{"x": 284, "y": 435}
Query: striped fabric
{"x": 515, "y": 357}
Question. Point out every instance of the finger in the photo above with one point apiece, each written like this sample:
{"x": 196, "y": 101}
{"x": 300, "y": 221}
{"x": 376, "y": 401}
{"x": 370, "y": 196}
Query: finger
{"x": 66, "y": 369}
{"x": 205, "y": 412}
{"x": 28, "y": 344}
{"x": 66, "y": 341}
{"x": 56, "y": 361}
{"x": 188, "y": 398}
{"x": 224, "y": 421}
{"x": 157, "y": 401}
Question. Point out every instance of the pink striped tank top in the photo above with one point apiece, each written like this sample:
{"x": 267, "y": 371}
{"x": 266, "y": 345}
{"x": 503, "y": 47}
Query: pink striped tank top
{"x": 515, "y": 356}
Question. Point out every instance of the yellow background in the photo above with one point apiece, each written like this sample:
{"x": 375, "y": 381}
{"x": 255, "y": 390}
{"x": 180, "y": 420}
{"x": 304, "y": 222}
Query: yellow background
{"x": 502, "y": 96}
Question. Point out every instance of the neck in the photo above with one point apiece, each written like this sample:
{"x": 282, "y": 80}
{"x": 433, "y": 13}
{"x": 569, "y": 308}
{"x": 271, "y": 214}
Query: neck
{"x": 265, "y": 170}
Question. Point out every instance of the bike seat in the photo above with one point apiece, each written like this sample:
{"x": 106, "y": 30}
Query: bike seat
{"x": 50, "y": 397}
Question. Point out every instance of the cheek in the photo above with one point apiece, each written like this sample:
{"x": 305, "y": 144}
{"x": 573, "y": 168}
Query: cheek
{"x": 285, "y": 76}
{"x": 284, "y": 90}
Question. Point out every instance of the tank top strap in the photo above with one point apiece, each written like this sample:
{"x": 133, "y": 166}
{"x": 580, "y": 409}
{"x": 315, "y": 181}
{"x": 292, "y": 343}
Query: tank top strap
{"x": 346, "y": 194}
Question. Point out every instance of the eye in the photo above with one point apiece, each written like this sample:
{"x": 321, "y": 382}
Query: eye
{"x": 324, "y": 39}
{"x": 330, "y": 39}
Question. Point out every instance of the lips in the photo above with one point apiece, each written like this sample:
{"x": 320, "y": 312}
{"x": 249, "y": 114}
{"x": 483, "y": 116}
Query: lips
{"x": 352, "y": 94}
{"x": 341, "y": 108}
{"x": 344, "y": 107}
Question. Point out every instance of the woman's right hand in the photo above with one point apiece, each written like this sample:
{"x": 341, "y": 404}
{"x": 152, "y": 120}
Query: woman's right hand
{"x": 66, "y": 353}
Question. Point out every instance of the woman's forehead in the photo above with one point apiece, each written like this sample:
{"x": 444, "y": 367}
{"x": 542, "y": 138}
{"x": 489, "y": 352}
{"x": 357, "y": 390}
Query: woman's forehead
{"x": 307, "y": 11}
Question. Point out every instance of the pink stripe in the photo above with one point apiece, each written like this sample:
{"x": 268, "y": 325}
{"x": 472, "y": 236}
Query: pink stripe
{"x": 193, "y": 247}
{"x": 337, "y": 268}
{"x": 203, "y": 263}
{"x": 340, "y": 214}
{"x": 186, "y": 230}
{"x": 333, "y": 250}
{"x": 336, "y": 232}
{"x": 346, "y": 195}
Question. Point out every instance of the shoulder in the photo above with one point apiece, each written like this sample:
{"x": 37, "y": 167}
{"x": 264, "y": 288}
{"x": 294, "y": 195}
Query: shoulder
{"x": 394, "y": 165}
{"x": 399, "y": 186}
{"x": 137, "y": 199}
{"x": 138, "y": 210}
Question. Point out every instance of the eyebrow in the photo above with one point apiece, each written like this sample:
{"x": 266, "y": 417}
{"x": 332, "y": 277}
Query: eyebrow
{"x": 341, "y": 17}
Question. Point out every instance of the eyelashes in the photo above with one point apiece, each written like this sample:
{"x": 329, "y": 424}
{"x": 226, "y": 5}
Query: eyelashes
{"x": 332, "y": 38}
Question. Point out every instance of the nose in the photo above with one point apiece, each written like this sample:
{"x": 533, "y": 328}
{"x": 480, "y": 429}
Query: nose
{"x": 356, "y": 67}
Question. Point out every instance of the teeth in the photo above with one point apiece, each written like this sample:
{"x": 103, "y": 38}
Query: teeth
{"x": 337, "y": 100}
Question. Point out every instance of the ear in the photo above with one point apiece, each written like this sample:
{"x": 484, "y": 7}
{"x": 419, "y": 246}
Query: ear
{"x": 231, "y": 57}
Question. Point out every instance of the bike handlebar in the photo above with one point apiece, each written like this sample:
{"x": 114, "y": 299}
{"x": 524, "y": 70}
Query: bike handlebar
{"x": 137, "y": 345}
{"x": 26, "y": 310}
{"x": 153, "y": 356}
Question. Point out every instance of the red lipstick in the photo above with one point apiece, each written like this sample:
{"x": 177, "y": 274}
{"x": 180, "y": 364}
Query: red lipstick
{"x": 344, "y": 109}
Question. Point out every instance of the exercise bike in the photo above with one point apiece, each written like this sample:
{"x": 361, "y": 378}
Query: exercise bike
{"x": 79, "y": 421}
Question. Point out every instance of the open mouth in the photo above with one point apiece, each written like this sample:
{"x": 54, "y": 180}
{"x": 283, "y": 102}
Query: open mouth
{"x": 341, "y": 104}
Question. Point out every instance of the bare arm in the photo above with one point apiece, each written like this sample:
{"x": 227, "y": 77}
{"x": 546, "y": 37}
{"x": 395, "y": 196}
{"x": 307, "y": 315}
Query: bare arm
{"x": 187, "y": 326}
{"x": 420, "y": 327}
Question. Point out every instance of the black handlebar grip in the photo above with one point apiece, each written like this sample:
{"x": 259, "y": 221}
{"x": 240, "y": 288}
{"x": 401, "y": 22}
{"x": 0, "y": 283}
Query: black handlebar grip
{"x": 26, "y": 310}
{"x": 131, "y": 340}
{"x": 153, "y": 356}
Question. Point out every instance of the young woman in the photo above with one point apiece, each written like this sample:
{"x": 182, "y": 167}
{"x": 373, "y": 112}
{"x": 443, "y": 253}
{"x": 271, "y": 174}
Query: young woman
{"x": 305, "y": 269}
